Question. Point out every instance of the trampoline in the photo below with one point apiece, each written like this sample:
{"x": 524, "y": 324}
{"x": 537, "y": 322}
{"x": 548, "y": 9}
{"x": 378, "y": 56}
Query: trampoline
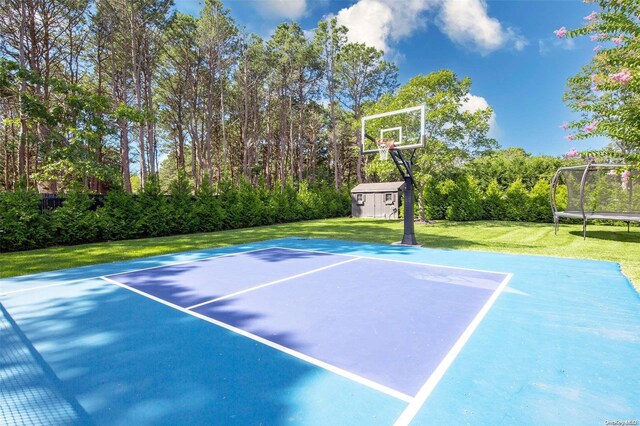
{"x": 596, "y": 191}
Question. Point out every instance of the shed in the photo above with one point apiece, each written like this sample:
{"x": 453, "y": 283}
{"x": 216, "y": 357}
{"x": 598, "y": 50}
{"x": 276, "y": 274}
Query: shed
{"x": 378, "y": 200}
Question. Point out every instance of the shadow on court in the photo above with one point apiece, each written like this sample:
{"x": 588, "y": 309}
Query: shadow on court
{"x": 30, "y": 393}
{"x": 129, "y": 360}
{"x": 199, "y": 282}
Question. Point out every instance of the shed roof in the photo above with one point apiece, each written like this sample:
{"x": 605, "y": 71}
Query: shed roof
{"x": 378, "y": 187}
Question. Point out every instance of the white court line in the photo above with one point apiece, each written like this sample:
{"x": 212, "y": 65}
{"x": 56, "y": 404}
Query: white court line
{"x": 421, "y": 397}
{"x": 49, "y": 285}
{"x": 228, "y": 296}
{"x": 188, "y": 261}
{"x": 127, "y": 272}
{"x": 393, "y": 260}
{"x": 336, "y": 370}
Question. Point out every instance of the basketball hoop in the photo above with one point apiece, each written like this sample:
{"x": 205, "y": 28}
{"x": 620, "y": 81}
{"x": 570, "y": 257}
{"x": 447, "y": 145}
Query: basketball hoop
{"x": 384, "y": 145}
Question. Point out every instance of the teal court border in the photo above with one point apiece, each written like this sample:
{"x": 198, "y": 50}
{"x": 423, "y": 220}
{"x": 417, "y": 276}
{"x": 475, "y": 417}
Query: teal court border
{"x": 559, "y": 346}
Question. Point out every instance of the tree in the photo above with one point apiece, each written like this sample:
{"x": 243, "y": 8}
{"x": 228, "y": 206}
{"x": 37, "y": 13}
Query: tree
{"x": 217, "y": 38}
{"x": 295, "y": 69}
{"x": 363, "y": 75}
{"x": 45, "y": 39}
{"x": 108, "y": 56}
{"x": 606, "y": 92}
{"x": 331, "y": 38}
{"x": 453, "y": 135}
{"x": 146, "y": 20}
{"x": 250, "y": 98}
{"x": 506, "y": 166}
{"x": 177, "y": 61}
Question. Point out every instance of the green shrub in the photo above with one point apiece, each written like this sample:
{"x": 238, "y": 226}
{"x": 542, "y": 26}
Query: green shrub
{"x": 207, "y": 214}
{"x": 22, "y": 225}
{"x": 464, "y": 199}
{"x": 229, "y": 203}
{"x": 283, "y": 204}
{"x": 493, "y": 203}
{"x": 154, "y": 211}
{"x": 516, "y": 200}
{"x": 75, "y": 222}
{"x": 435, "y": 202}
{"x": 334, "y": 203}
{"x": 539, "y": 202}
{"x": 119, "y": 218}
{"x": 251, "y": 206}
{"x": 311, "y": 202}
{"x": 562, "y": 197}
{"x": 180, "y": 207}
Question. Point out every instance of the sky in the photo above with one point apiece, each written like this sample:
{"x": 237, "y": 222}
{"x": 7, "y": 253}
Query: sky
{"x": 517, "y": 65}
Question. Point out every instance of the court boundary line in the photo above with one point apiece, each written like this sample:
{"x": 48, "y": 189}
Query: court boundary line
{"x": 22, "y": 290}
{"x": 396, "y": 260}
{"x": 311, "y": 360}
{"x": 425, "y": 391}
{"x": 281, "y": 280}
{"x": 188, "y": 261}
{"x": 95, "y": 277}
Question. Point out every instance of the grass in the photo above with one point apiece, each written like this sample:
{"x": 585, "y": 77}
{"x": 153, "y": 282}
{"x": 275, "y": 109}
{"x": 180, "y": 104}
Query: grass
{"x": 603, "y": 242}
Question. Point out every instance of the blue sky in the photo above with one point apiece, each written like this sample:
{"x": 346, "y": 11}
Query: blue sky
{"x": 507, "y": 48}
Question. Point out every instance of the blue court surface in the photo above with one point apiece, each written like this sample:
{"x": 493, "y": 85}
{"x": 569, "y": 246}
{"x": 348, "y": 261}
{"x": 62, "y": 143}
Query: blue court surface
{"x": 321, "y": 332}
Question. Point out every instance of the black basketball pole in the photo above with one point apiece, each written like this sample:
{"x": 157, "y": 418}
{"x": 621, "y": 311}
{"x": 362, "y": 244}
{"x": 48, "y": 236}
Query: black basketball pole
{"x": 405, "y": 167}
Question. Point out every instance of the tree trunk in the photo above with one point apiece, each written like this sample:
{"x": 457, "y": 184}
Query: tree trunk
{"x": 152, "y": 143}
{"x": 22, "y": 146}
{"x": 225, "y": 147}
{"x": 244, "y": 128}
{"x": 360, "y": 159}
{"x": 135, "y": 62}
{"x": 267, "y": 158}
{"x": 124, "y": 155}
{"x": 300, "y": 145}
{"x": 7, "y": 185}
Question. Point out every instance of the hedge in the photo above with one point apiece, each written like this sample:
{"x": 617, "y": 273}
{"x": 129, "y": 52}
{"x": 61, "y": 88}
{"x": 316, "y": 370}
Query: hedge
{"x": 152, "y": 213}
{"x": 461, "y": 198}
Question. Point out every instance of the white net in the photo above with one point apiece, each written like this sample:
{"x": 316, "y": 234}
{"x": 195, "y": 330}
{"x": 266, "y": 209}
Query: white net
{"x": 383, "y": 148}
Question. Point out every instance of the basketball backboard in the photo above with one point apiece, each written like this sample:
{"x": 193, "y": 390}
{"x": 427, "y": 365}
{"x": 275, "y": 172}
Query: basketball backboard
{"x": 404, "y": 129}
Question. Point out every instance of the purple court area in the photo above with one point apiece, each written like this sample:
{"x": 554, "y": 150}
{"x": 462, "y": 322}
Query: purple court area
{"x": 389, "y": 322}
{"x": 189, "y": 284}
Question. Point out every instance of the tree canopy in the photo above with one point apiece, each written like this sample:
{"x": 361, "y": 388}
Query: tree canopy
{"x": 454, "y": 134}
{"x": 606, "y": 92}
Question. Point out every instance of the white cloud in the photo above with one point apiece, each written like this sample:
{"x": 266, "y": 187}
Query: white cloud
{"x": 369, "y": 22}
{"x": 380, "y": 23}
{"x": 472, "y": 103}
{"x": 288, "y": 9}
{"x": 467, "y": 22}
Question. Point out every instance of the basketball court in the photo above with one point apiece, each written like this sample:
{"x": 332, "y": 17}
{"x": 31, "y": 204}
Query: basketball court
{"x": 324, "y": 332}
{"x": 298, "y": 331}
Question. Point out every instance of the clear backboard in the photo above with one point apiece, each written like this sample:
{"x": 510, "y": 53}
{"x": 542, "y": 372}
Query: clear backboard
{"x": 400, "y": 129}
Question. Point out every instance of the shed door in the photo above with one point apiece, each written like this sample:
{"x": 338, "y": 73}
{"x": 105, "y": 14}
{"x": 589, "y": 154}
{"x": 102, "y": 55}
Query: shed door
{"x": 368, "y": 205}
{"x": 379, "y": 203}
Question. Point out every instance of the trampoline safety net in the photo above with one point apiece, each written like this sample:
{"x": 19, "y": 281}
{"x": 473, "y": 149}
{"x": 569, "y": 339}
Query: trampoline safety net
{"x": 598, "y": 191}
{"x": 606, "y": 190}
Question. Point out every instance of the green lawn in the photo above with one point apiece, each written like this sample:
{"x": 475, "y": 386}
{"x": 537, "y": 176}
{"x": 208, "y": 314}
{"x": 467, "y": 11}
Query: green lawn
{"x": 603, "y": 242}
